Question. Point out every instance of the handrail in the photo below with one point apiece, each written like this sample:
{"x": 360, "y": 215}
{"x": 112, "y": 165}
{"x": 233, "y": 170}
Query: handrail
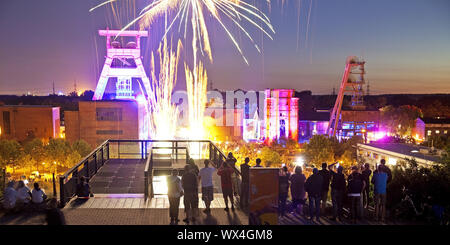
{"x": 225, "y": 157}
{"x": 81, "y": 162}
{"x": 64, "y": 194}
{"x": 148, "y": 178}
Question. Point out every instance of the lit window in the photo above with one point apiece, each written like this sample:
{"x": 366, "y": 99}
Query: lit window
{"x": 437, "y": 131}
{"x": 429, "y": 132}
{"x": 445, "y": 131}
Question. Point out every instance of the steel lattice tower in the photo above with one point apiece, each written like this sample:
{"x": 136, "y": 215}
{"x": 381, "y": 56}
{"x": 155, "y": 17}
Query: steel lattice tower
{"x": 352, "y": 84}
{"x": 123, "y": 63}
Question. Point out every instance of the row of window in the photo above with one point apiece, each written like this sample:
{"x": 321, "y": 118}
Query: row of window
{"x": 109, "y": 114}
{"x": 429, "y": 132}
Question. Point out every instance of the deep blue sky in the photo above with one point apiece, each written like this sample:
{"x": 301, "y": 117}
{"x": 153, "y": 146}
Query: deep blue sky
{"x": 406, "y": 44}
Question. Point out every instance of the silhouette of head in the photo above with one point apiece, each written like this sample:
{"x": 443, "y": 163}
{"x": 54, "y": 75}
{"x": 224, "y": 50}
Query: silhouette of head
{"x": 174, "y": 172}
{"x": 230, "y": 154}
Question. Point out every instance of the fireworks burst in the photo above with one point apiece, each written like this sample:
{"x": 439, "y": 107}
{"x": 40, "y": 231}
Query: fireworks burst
{"x": 196, "y": 82}
{"x": 193, "y": 12}
{"x": 164, "y": 114}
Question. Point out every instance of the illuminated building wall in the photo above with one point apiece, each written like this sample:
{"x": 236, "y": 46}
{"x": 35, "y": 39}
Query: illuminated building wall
{"x": 309, "y": 128}
{"x": 312, "y": 122}
{"x": 365, "y": 123}
{"x": 281, "y": 115}
{"x": 97, "y": 121}
{"x": 20, "y": 122}
{"x": 226, "y": 124}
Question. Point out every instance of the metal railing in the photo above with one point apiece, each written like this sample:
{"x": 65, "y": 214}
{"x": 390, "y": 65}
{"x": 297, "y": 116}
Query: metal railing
{"x": 87, "y": 167}
{"x": 148, "y": 177}
{"x": 134, "y": 149}
{"x": 149, "y": 166}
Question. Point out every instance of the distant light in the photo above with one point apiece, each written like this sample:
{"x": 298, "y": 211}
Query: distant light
{"x": 299, "y": 162}
{"x": 392, "y": 161}
{"x": 60, "y": 93}
{"x": 379, "y": 135}
{"x": 141, "y": 99}
{"x": 414, "y": 151}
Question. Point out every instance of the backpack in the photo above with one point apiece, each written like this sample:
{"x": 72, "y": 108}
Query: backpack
{"x": 355, "y": 184}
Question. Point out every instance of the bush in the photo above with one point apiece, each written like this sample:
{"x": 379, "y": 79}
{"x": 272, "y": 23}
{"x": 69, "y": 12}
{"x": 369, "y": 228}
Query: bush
{"x": 429, "y": 185}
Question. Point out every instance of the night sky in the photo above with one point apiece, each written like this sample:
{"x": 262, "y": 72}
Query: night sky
{"x": 406, "y": 44}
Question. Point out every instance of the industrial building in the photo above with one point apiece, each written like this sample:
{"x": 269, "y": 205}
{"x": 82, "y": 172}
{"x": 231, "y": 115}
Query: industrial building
{"x": 281, "y": 115}
{"x": 97, "y": 121}
{"x": 312, "y": 123}
{"x": 21, "y": 122}
{"x": 436, "y": 126}
{"x": 392, "y": 153}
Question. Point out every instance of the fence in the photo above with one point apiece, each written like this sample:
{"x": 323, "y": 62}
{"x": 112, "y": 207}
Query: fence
{"x": 174, "y": 152}
{"x": 87, "y": 167}
{"x": 2, "y": 181}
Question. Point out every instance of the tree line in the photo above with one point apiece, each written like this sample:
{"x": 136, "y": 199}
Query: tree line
{"x": 36, "y": 155}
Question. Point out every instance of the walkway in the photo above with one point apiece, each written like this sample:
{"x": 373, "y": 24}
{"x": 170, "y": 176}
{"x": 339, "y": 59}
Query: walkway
{"x": 119, "y": 176}
{"x": 134, "y": 201}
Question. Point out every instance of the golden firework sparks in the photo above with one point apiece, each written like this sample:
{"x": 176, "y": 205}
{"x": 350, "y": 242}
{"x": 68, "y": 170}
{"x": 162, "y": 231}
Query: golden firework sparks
{"x": 193, "y": 12}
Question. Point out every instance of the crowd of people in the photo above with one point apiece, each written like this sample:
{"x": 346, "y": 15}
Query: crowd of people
{"x": 192, "y": 177}
{"x": 19, "y": 198}
{"x": 315, "y": 189}
{"x": 355, "y": 189}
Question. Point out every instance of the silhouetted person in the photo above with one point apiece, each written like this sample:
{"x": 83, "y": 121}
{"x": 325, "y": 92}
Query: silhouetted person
{"x": 174, "y": 193}
{"x": 231, "y": 161}
{"x": 298, "y": 189}
{"x": 23, "y": 193}
{"x": 326, "y": 176}
{"x": 205, "y": 175}
{"x": 54, "y": 216}
{"x": 283, "y": 189}
{"x": 379, "y": 181}
{"x": 314, "y": 188}
{"x": 83, "y": 188}
{"x": 386, "y": 169}
{"x": 225, "y": 173}
{"x": 245, "y": 184}
{"x": 258, "y": 163}
{"x": 337, "y": 191}
{"x": 10, "y": 197}
{"x": 190, "y": 186}
{"x": 366, "y": 176}
{"x": 355, "y": 186}
{"x": 194, "y": 166}
{"x": 38, "y": 196}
